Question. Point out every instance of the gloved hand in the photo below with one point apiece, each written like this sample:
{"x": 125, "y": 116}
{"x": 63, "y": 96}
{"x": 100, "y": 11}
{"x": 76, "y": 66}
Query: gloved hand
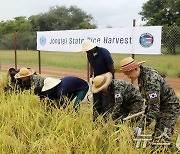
{"x": 137, "y": 131}
{"x": 90, "y": 97}
{"x": 90, "y": 81}
{"x": 90, "y": 94}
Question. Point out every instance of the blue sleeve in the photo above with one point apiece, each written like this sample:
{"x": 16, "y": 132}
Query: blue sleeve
{"x": 108, "y": 57}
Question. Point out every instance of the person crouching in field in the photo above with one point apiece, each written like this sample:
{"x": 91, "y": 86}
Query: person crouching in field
{"x": 28, "y": 80}
{"x": 69, "y": 86}
{"x": 162, "y": 102}
{"x": 12, "y": 72}
{"x": 125, "y": 99}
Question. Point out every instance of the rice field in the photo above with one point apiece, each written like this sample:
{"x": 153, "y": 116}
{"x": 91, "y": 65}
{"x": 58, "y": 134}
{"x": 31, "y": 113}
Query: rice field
{"x": 165, "y": 64}
{"x": 29, "y": 125}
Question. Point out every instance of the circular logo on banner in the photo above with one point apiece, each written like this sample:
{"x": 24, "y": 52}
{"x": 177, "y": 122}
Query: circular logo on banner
{"x": 146, "y": 40}
{"x": 42, "y": 40}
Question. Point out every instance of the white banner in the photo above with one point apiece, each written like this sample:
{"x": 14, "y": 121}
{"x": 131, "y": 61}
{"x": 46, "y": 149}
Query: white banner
{"x": 131, "y": 40}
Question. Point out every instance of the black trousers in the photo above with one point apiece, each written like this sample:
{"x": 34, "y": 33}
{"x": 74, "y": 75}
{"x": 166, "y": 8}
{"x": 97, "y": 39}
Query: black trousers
{"x": 102, "y": 103}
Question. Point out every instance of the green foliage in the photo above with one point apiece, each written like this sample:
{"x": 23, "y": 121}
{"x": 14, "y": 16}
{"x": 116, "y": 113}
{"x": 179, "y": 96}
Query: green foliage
{"x": 19, "y": 24}
{"x": 26, "y": 40}
{"x": 57, "y": 18}
{"x": 22, "y": 24}
{"x": 165, "y": 13}
{"x": 7, "y": 41}
{"x": 61, "y": 18}
{"x": 161, "y": 12}
{"x": 7, "y": 27}
{"x": 171, "y": 39}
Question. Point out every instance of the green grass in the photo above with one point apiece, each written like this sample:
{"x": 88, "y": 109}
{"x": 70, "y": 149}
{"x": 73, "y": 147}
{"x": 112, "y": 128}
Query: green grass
{"x": 165, "y": 64}
{"x": 26, "y": 126}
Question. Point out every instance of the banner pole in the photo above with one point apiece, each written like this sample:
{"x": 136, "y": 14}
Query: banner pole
{"x": 39, "y": 59}
{"x": 88, "y": 74}
{"x": 39, "y": 55}
{"x": 134, "y": 24}
{"x": 133, "y": 55}
{"x": 15, "y": 54}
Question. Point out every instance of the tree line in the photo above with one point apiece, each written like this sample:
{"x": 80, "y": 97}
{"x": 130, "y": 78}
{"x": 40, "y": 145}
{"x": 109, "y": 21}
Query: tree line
{"x": 164, "y": 13}
{"x": 155, "y": 12}
{"x": 57, "y": 18}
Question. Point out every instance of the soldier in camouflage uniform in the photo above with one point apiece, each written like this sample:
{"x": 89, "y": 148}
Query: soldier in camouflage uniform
{"x": 162, "y": 103}
{"x": 29, "y": 80}
{"x": 124, "y": 97}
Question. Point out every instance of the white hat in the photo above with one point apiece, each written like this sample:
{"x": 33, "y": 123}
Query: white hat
{"x": 87, "y": 45}
{"x": 49, "y": 83}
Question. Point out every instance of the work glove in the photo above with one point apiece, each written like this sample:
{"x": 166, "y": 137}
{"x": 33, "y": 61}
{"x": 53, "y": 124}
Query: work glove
{"x": 90, "y": 97}
{"x": 90, "y": 94}
{"x": 137, "y": 131}
{"x": 90, "y": 81}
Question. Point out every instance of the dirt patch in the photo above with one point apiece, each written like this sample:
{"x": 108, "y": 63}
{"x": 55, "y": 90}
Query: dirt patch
{"x": 61, "y": 72}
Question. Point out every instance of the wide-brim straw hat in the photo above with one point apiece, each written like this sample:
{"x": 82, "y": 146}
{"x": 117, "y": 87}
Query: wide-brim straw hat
{"x": 129, "y": 63}
{"x": 50, "y": 83}
{"x": 24, "y": 72}
{"x": 87, "y": 45}
{"x": 101, "y": 81}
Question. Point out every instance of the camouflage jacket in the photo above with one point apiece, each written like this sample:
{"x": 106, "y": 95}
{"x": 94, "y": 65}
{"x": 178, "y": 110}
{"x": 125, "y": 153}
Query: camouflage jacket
{"x": 158, "y": 94}
{"x": 33, "y": 82}
{"x": 127, "y": 98}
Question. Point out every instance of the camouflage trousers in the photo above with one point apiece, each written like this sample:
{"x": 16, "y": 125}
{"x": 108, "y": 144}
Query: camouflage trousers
{"x": 167, "y": 118}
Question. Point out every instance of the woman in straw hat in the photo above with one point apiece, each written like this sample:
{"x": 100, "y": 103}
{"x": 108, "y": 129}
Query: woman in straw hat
{"x": 124, "y": 97}
{"x": 100, "y": 62}
{"x": 12, "y": 72}
{"x": 69, "y": 86}
{"x": 163, "y": 104}
{"x": 29, "y": 80}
